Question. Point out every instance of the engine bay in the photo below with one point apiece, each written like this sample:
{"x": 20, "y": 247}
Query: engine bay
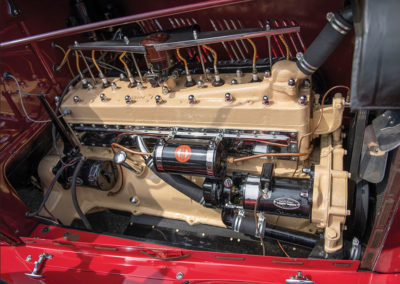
{"x": 199, "y": 150}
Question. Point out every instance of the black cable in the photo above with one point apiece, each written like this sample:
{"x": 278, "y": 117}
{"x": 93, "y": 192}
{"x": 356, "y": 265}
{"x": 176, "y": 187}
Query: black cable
{"x": 74, "y": 197}
{"x": 49, "y": 190}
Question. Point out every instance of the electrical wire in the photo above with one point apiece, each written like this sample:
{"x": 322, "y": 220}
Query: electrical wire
{"x": 64, "y": 59}
{"x": 22, "y": 102}
{"x": 77, "y": 62}
{"x": 68, "y": 64}
{"x": 286, "y": 46}
{"x": 256, "y": 224}
{"x": 254, "y": 53}
{"x": 50, "y": 188}
{"x": 185, "y": 63}
{"x": 279, "y": 243}
{"x": 215, "y": 55}
{"x": 121, "y": 58}
{"x": 74, "y": 196}
{"x": 94, "y": 62}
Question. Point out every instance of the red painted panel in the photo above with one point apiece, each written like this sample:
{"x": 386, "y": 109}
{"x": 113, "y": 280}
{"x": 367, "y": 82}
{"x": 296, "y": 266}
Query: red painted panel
{"x": 106, "y": 259}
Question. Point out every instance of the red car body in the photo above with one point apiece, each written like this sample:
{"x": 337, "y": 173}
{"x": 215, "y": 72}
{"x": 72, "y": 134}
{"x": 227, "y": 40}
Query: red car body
{"x": 96, "y": 258}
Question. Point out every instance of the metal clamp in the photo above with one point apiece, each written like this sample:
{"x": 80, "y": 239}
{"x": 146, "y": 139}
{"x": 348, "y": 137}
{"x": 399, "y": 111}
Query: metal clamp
{"x": 39, "y": 265}
{"x": 336, "y": 24}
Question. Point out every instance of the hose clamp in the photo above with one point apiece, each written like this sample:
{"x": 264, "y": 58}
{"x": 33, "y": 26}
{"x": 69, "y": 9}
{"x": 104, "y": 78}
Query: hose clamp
{"x": 158, "y": 155}
{"x": 304, "y": 64}
{"x": 261, "y": 226}
{"x": 336, "y": 24}
{"x": 238, "y": 220}
{"x": 210, "y": 157}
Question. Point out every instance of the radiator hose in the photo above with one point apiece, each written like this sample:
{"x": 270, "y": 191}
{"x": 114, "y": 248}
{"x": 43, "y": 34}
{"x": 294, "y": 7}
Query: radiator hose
{"x": 339, "y": 24}
{"x": 178, "y": 182}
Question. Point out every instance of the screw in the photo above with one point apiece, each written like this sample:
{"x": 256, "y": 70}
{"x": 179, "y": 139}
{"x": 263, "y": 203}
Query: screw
{"x": 191, "y": 99}
{"x": 291, "y": 82}
{"x": 128, "y": 99}
{"x": 228, "y": 97}
{"x": 265, "y": 100}
{"x": 179, "y": 275}
{"x": 133, "y": 200}
{"x": 77, "y": 99}
{"x": 234, "y": 82}
{"x": 158, "y": 99}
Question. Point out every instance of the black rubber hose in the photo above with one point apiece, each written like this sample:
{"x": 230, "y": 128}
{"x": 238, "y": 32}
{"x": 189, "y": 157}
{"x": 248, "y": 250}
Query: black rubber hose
{"x": 247, "y": 226}
{"x": 74, "y": 197}
{"x": 326, "y": 42}
{"x": 47, "y": 194}
{"x": 178, "y": 182}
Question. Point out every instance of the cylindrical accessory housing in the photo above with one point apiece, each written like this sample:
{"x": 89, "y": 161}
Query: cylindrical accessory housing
{"x": 102, "y": 175}
{"x": 286, "y": 196}
{"x": 160, "y": 60}
{"x": 246, "y": 225}
{"x": 197, "y": 157}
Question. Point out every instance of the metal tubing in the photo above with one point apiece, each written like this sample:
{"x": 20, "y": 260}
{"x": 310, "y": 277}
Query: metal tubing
{"x": 120, "y": 21}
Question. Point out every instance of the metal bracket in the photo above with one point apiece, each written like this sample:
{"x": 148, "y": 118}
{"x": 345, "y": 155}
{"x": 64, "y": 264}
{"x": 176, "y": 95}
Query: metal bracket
{"x": 39, "y": 265}
{"x": 387, "y": 130}
{"x": 299, "y": 278}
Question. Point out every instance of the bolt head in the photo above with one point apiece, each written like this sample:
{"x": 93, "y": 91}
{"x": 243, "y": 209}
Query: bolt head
{"x": 303, "y": 100}
{"x": 76, "y": 99}
{"x": 291, "y": 82}
{"x": 128, "y": 99}
{"x": 200, "y": 83}
{"x": 265, "y": 100}
{"x": 119, "y": 157}
{"x": 191, "y": 99}
{"x": 179, "y": 275}
{"x": 234, "y": 82}
{"x": 267, "y": 74}
{"x": 133, "y": 200}
{"x": 228, "y": 182}
{"x": 228, "y": 97}
{"x": 158, "y": 99}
